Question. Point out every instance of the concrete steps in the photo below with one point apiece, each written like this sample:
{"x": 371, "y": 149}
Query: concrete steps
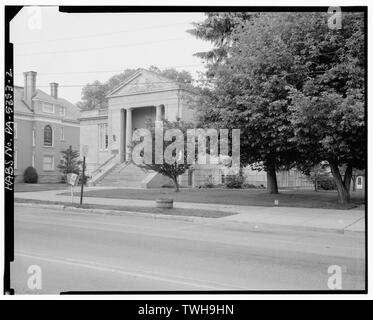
{"x": 124, "y": 175}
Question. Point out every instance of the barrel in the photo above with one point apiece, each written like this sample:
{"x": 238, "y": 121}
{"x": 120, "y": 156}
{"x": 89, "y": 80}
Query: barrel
{"x": 165, "y": 203}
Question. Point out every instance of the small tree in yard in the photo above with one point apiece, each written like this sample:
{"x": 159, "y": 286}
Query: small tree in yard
{"x": 70, "y": 162}
{"x": 171, "y": 170}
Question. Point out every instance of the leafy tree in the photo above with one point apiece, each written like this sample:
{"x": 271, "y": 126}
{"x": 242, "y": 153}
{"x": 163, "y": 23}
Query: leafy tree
{"x": 248, "y": 94}
{"x": 70, "y": 162}
{"x": 218, "y": 28}
{"x": 171, "y": 73}
{"x": 174, "y": 170}
{"x": 94, "y": 94}
{"x": 295, "y": 88}
{"x": 328, "y": 107}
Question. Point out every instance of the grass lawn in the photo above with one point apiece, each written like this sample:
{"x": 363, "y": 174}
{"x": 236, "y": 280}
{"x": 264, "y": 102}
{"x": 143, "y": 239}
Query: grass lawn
{"x": 249, "y": 197}
{"x": 173, "y": 211}
{"x": 31, "y": 187}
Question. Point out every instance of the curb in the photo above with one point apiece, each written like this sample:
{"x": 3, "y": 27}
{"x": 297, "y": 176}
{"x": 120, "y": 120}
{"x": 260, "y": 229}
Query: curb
{"x": 111, "y": 212}
{"x": 241, "y": 225}
{"x": 270, "y": 227}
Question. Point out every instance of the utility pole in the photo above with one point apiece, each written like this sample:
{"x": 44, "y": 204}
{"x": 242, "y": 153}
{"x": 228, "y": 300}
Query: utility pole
{"x": 81, "y": 190}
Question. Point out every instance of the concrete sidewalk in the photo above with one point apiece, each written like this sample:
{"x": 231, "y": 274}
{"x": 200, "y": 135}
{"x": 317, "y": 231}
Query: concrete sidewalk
{"x": 253, "y": 216}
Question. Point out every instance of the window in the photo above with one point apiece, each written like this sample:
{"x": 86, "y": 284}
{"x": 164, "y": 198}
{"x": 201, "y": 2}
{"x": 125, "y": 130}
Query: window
{"x": 15, "y": 159}
{"x": 62, "y": 133}
{"x": 33, "y": 137}
{"x": 15, "y": 129}
{"x": 359, "y": 183}
{"x": 62, "y": 111}
{"x": 48, "y": 136}
{"x": 103, "y": 136}
{"x": 48, "y": 107}
{"x": 48, "y": 163}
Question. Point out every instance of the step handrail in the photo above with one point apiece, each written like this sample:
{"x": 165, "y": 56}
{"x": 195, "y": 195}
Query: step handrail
{"x": 99, "y": 168}
{"x": 104, "y": 169}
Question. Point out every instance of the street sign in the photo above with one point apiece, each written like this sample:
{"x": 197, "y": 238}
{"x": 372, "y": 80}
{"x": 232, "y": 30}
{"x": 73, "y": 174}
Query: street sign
{"x": 72, "y": 179}
{"x": 83, "y": 178}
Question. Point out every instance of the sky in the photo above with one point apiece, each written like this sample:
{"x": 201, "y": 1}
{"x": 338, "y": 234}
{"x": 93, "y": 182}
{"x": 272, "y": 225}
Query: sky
{"x": 76, "y": 49}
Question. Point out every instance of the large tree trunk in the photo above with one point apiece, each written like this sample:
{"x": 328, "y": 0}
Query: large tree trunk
{"x": 176, "y": 184}
{"x": 343, "y": 193}
{"x": 354, "y": 183}
{"x": 348, "y": 177}
{"x": 271, "y": 179}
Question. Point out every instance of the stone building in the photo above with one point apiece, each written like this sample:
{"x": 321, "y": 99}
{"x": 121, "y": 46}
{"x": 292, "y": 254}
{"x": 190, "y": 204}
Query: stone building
{"x": 106, "y": 133}
{"x": 144, "y": 96}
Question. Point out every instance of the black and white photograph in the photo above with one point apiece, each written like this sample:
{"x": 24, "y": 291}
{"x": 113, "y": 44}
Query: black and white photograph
{"x": 185, "y": 150}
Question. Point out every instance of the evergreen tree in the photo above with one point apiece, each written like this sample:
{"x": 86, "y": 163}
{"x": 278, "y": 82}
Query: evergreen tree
{"x": 70, "y": 162}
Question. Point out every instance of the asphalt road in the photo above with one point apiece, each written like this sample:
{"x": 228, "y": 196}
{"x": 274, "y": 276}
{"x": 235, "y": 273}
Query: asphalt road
{"x": 91, "y": 252}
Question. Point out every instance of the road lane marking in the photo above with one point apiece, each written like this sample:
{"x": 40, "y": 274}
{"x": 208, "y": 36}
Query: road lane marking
{"x": 202, "y": 284}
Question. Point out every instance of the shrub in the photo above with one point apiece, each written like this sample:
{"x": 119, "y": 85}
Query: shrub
{"x": 30, "y": 175}
{"x": 168, "y": 186}
{"x": 234, "y": 181}
{"x": 86, "y": 178}
{"x": 209, "y": 183}
{"x": 326, "y": 184}
{"x": 250, "y": 186}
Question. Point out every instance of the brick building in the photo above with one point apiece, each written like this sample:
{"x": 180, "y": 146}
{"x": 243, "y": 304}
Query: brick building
{"x": 44, "y": 124}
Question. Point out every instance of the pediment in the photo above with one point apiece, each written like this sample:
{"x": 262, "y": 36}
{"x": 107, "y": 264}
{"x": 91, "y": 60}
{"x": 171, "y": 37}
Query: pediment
{"x": 144, "y": 81}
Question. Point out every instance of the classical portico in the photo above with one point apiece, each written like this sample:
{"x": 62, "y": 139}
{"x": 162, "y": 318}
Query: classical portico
{"x": 143, "y": 97}
{"x": 107, "y": 132}
{"x": 133, "y": 118}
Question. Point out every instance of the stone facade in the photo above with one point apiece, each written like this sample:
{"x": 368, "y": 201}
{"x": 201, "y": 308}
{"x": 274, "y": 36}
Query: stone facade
{"x": 92, "y": 124}
{"x": 144, "y": 96}
{"x": 148, "y": 96}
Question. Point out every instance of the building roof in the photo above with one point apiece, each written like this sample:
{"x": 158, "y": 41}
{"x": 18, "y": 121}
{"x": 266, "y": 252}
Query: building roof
{"x": 20, "y": 106}
{"x": 158, "y": 81}
{"x": 72, "y": 111}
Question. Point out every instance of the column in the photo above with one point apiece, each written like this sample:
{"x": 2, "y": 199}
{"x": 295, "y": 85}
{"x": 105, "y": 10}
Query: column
{"x": 158, "y": 114}
{"x": 120, "y": 138}
{"x": 128, "y": 133}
